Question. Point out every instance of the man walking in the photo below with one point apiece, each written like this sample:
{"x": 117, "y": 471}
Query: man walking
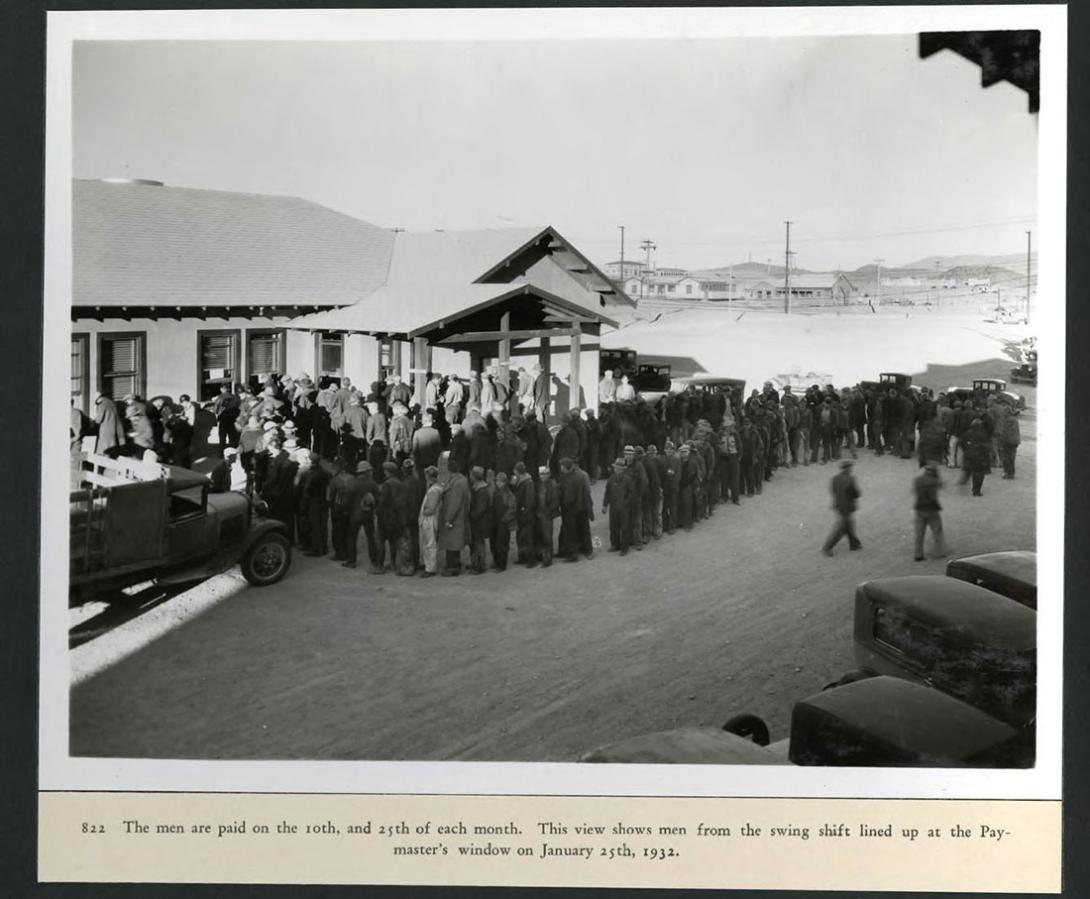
{"x": 845, "y": 500}
{"x": 926, "y": 488}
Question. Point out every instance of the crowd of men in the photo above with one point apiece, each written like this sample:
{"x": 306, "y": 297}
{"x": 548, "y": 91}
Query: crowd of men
{"x": 475, "y": 464}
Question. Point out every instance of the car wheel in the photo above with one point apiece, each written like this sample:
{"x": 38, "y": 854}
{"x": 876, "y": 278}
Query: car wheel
{"x": 267, "y": 560}
{"x": 750, "y": 727}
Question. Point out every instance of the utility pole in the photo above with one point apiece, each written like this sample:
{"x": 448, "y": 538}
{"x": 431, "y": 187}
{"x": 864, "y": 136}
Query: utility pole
{"x": 647, "y": 246}
{"x": 787, "y": 272}
{"x": 878, "y": 292}
{"x": 1029, "y": 239}
{"x": 397, "y": 230}
{"x": 623, "y": 277}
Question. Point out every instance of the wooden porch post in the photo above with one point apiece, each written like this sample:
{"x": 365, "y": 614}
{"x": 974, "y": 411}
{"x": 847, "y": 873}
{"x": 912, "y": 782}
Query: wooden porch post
{"x": 544, "y": 359}
{"x": 419, "y": 369}
{"x": 505, "y": 349}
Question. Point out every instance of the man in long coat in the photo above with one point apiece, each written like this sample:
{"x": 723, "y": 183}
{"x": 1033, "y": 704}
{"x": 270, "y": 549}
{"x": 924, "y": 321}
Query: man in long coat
{"x": 111, "y": 432}
{"x": 547, "y": 508}
{"x": 573, "y": 492}
{"x": 525, "y": 503}
{"x": 454, "y": 520}
{"x": 617, "y": 501}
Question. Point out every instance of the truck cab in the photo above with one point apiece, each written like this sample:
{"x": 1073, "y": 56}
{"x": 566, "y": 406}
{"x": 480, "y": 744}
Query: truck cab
{"x": 131, "y": 521}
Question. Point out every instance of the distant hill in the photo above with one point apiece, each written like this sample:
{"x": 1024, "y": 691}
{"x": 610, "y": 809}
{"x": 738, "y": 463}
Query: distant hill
{"x": 933, "y": 263}
{"x": 747, "y": 271}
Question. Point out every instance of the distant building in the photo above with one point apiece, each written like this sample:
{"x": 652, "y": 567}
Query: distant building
{"x": 809, "y": 288}
{"x": 630, "y": 269}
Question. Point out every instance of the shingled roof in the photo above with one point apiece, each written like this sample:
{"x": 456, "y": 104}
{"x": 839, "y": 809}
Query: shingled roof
{"x": 140, "y": 245}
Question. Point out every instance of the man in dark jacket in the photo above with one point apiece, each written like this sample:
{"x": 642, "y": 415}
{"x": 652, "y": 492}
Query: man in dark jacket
{"x": 652, "y": 494}
{"x": 567, "y": 442}
{"x": 525, "y": 503}
{"x": 546, "y": 509}
{"x": 668, "y": 472}
{"x": 480, "y": 519}
{"x": 641, "y": 491}
{"x": 357, "y": 506}
{"x": 846, "y": 495}
{"x": 590, "y": 453}
{"x": 617, "y": 501}
{"x": 928, "y": 510}
{"x": 412, "y": 499}
{"x": 314, "y": 506}
{"x": 392, "y": 526}
{"x": 574, "y": 496}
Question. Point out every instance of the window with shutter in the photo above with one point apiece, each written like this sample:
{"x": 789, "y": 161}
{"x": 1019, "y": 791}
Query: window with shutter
{"x": 79, "y": 387}
{"x": 121, "y": 362}
{"x": 218, "y": 363}
{"x": 265, "y": 353}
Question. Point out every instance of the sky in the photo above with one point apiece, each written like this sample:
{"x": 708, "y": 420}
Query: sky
{"x": 704, "y": 147}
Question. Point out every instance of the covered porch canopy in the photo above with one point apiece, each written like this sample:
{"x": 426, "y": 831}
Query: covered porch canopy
{"x": 484, "y": 320}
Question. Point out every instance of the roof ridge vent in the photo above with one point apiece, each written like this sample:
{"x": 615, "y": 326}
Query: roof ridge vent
{"x": 145, "y": 182}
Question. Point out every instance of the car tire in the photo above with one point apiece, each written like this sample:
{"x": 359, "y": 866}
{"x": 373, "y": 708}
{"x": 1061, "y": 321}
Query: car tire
{"x": 267, "y": 560}
{"x": 749, "y": 726}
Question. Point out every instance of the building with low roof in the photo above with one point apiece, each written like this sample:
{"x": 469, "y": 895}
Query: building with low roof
{"x": 177, "y": 290}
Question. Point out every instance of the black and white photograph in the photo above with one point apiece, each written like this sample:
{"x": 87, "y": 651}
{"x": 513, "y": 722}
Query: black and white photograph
{"x": 513, "y": 397}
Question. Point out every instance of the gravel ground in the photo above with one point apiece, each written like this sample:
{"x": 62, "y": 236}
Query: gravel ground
{"x": 741, "y": 614}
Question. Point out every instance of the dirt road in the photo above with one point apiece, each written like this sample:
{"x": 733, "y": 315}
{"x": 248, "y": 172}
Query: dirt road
{"x": 741, "y": 614}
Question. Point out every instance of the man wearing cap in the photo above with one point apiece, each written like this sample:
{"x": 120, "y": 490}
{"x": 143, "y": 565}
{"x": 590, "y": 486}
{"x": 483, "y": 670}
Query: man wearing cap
{"x": 454, "y": 519}
{"x": 928, "y": 510}
{"x": 686, "y": 487}
{"x": 504, "y": 511}
{"x": 652, "y": 492}
{"x": 566, "y": 442}
{"x": 426, "y": 443}
{"x": 453, "y": 401}
{"x": 400, "y": 433}
{"x": 668, "y": 474}
{"x": 654, "y": 475}
{"x": 428, "y": 522}
{"x": 576, "y": 511}
{"x": 617, "y": 501}
{"x": 525, "y": 503}
{"x": 546, "y": 508}
{"x": 398, "y": 392}
{"x": 640, "y": 495}
{"x": 412, "y": 498}
{"x": 376, "y": 437}
{"x": 480, "y": 519}
{"x": 356, "y": 507}
{"x": 846, "y": 495}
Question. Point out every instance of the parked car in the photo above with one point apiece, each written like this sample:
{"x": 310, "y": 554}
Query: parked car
{"x": 876, "y": 721}
{"x": 1012, "y": 574}
{"x": 132, "y": 521}
{"x": 984, "y": 387}
{"x": 1026, "y": 373}
{"x": 962, "y": 639}
{"x": 711, "y": 384}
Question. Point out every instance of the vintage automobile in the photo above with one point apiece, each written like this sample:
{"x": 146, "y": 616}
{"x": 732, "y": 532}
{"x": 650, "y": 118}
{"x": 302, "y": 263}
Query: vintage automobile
{"x": 984, "y": 387}
{"x": 1026, "y": 373}
{"x": 132, "y": 521}
{"x": 954, "y": 636}
{"x": 711, "y": 384}
{"x": 875, "y": 721}
{"x": 1012, "y": 574}
{"x": 887, "y": 379}
{"x": 650, "y": 381}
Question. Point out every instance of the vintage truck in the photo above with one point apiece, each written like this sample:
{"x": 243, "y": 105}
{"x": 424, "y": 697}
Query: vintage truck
{"x": 988, "y": 387}
{"x": 132, "y": 521}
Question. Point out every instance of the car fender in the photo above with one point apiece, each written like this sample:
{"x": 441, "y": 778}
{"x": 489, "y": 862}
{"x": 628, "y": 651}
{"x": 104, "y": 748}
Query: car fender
{"x": 259, "y": 529}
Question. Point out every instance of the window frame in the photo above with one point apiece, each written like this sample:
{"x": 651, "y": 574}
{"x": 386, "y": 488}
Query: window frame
{"x": 236, "y": 334}
{"x": 141, "y": 359}
{"x": 84, "y": 339}
{"x": 319, "y": 338}
{"x": 265, "y": 332}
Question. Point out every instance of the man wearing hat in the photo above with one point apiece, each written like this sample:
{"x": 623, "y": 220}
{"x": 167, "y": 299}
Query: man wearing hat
{"x": 566, "y": 442}
{"x": 686, "y": 487}
{"x": 547, "y": 507}
{"x": 846, "y": 495}
{"x": 617, "y": 501}
{"x": 525, "y": 502}
{"x": 480, "y": 519}
{"x": 393, "y": 529}
{"x": 357, "y": 508}
{"x": 454, "y": 519}
{"x": 412, "y": 498}
{"x": 926, "y": 488}
{"x": 428, "y": 522}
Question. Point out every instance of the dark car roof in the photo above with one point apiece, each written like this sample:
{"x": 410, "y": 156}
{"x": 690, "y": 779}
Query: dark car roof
{"x": 922, "y": 720}
{"x": 1018, "y": 565}
{"x": 954, "y": 605}
{"x": 685, "y": 746}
